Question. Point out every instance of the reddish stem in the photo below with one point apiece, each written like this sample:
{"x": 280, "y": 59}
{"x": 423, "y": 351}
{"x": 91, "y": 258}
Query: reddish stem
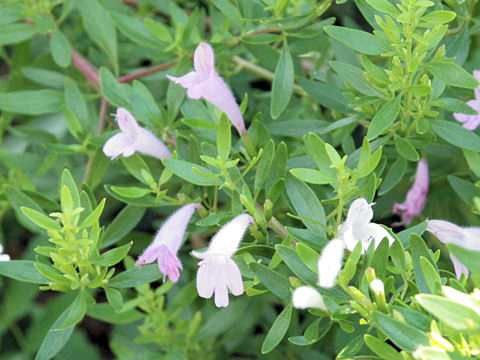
{"x": 146, "y": 72}
{"x": 86, "y": 67}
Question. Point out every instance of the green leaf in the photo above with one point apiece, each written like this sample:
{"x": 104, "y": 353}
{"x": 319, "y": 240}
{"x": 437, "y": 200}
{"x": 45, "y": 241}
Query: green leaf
{"x": 313, "y": 176}
{"x": 123, "y": 223}
{"x": 456, "y": 315}
{"x": 308, "y": 255}
{"x": 75, "y": 102}
{"x": 22, "y": 270}
{"x": 464, "y": 189}
{"x": 99, "y": 26}
{"x": 93, "y": 217}
{"x": 114, "y": 298}
{"x": 46, "y": 78}
{"x": 135, "y": 165}
{"x": 354, "y": 76}
{"x": 75, "y": 312}
{"x": 55, "y": 340}
{"x": 131, "y": 191}
{"x": 369, "y": 165}
{"x": 293, "y": 261}
{"x": 438, "y": 17}
{"x": 40, "y": 219}
{"x": 282, "y": 87}
{"x": 276, "y": 283}
{"x": 224, "y": 137}
{"x": 114, "y": 256}
{"x": 135, "y": 30}
{"x": 184, "y": 169}
{"x": 469, "y": 258}
{"x": 393, "y": 176}
{"x": 406, "y": 149}
{"x": 403, "y": 335}
{"x": 306, "y": 204}
{"x": 136, "y": 276}
{"x": 419, "y": 250}
{"x": 158, "y": 30}
{"x": 432, "y": 277}
{"x": 32, "y": 102}
{"x": 381, "y": 348}
{"x": 15, "y": 33}
{"x": 68, "y": 181}
{"x": 264, "y": 165}
{"x": 326, "y": 94}
{"x": 383, "y": 119}
{"x": 60, "y": 49}
{"x": 115, "y": 93}
{"x": 456, "y": 134}
{"x": 105, "y": 312}
{"x": 452, "y": 74}
{"x": 230, "y": 11}
{"x": 278, "y": 330}
{"x": 473, "y": 161}
{"x": 358, "y": 40}
{"x": 18, "y": 199}
{"x": 384, "y": 6}
{"x": 278, "y": 167}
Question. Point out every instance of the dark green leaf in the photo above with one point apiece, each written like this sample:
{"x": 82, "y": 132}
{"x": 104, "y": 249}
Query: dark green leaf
{"x": 282, "y": 87}
{"x": 278, "y": 330}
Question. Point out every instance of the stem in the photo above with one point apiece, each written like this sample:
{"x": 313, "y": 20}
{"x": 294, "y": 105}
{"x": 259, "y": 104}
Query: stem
{"x": 146, "y": 72}
{"x": 86, "y": 67}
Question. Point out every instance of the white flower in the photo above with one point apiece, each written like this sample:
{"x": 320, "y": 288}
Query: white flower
{"x": 330, "y": 263}
{"x": 133, "y": 138}
{"x": 305, "y": 297}
{"x": 377, "y": 287}
{"x": 218, "y": 272}
{"x": 3, "y": 257}
{"x": 358, "y": 228}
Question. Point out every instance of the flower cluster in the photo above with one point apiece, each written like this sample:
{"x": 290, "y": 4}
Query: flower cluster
{"x": 217, "y": 272}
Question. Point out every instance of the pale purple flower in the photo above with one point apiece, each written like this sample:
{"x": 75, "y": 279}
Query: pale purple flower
{"x": 471, "y": 122}
{"x": 205, "y": 82}
{"x": 218, "y": 272}
{"x": 358, "y": 228}
{"x": 448, "y": 233}
{"x": 330, "y": 263}
{"x": 166, "y": 243}
{"x": 3, "y": 257}
{"x": 306, "y": 297}
{"x": 416, "y": 196}
{"x": 133, "y": 138}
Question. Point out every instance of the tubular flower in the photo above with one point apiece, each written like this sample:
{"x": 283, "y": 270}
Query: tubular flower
{"x": 205, "y": 82}
{"x": 306, "y": 297}
{"x": 3, "y": 257}
{"x": 133, "y": 138}
{"x": 218, "y": 272}
{"x": 416, "y": 196}
{"x": 471, "y": 122}
{"x": 448, "y": 233}
{"x": 357, "y": 227}
{"x": 330, "y": 263}
{"x": 166, "y": 243}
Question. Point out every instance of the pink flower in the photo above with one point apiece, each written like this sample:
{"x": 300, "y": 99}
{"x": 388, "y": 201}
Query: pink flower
{"x": 3, "y": 257}
{"x": 471, "y": 122}
{"x": 218, "y": 272}
{"x": 205, "y": 82}
{"x": 416, "y": 196}
{"x": 133, "y": 138}
{"x": 165, "y": 246}
{"x": 448, "y": 233}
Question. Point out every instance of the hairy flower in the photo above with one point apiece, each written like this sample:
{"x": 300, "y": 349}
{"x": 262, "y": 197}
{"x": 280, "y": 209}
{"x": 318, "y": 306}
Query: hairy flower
{"x": 471, "y": 122}
{"x": 330, "y": 263}
{"x": 166, "y": 243}
{"x": 358, "y": 228}
{"x": 3, "y": 257}
{"x": 218, "y": 272}
{"x": 306, "y": 297}
{"x": 205, "y": 82}
{"x": 416, "y": 196}
{"x": 132, "y": 138}
{"x": 448, "y": 233}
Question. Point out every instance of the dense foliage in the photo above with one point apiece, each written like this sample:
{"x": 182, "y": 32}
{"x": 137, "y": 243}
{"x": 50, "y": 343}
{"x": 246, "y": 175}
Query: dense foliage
{"x": 318, "y": 159}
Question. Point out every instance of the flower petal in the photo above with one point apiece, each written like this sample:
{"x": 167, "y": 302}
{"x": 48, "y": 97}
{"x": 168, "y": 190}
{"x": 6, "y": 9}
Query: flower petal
{"x": 120, "y": 144}
{"x": 227, "y": 239}
{"x": 458, "y": 267}
{"x": 192, "y": 82}
{"x": 126, "y": 121}
{"x": 204, "y": 60}
{"x": 306, "y": 297}
{"x": 148, "y": 144}
{"x": 446, "y": 232}
{"x": 233, "y": 278}
{"x": 221, "y": 295}
{"x": 205, "y": 281}
{"x": 330, "y": 263}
